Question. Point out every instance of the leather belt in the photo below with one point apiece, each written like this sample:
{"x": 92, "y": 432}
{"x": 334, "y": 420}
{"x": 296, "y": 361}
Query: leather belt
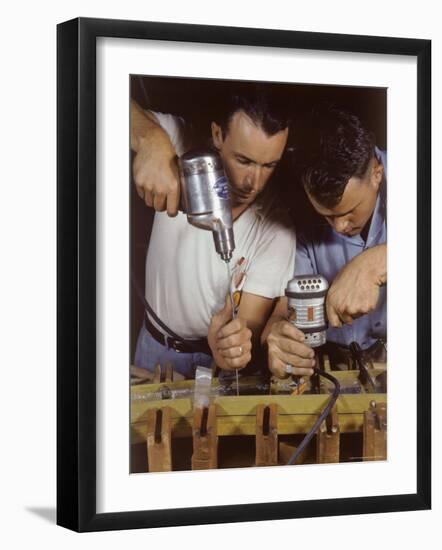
{"x": 180, "y": 346}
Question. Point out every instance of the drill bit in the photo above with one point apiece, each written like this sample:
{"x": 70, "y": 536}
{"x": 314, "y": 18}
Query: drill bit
{"x": 232, "y": 302}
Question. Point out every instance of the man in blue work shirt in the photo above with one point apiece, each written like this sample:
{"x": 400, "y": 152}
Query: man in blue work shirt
{"x": 343, "y": 175}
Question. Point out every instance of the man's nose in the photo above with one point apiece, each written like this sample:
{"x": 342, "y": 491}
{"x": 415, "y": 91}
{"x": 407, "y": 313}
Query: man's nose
{"x": 342, "y": 225}
{"x": 254, "y": 177}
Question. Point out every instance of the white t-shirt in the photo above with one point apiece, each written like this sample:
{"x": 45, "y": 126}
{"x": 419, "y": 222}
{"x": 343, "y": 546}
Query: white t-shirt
{"x": 186, "y": 280}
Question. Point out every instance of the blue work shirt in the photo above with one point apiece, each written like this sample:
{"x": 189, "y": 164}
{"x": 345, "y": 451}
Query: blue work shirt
{"x": 321, "y": 250}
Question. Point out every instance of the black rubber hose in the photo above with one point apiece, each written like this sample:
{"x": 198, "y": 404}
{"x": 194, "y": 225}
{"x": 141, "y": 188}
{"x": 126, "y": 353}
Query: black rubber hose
{"x": 321, "y": 417}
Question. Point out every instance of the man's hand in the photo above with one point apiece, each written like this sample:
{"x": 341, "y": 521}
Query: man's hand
{"x": 155, "y": 168}
{"x": 230, "y": 340}
{"x": 355, "y": 289}
{"x": 286, "y": 347}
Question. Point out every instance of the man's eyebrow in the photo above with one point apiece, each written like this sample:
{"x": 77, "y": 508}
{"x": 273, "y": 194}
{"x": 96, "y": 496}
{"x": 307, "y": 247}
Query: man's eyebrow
{"x": 240, "y": 156}
{"x": 343, "y": 213}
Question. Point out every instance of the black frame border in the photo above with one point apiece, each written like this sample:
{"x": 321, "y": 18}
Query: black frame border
{"x": 76, "y": 273}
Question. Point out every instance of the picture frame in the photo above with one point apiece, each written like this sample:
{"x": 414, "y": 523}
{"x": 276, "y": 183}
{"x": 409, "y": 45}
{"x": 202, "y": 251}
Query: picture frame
{"x": 77, "y": 253}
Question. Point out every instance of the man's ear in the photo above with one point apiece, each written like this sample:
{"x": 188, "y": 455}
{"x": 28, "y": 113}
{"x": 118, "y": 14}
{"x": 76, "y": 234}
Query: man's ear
{"x": 377, "y": 174}
{"x": 217, "y": 135}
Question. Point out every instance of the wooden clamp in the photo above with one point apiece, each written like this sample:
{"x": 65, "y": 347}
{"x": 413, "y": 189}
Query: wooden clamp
{"x": 375, "y": 432}
{"x": 168, "y": 378}
{"x": 163, "y": 373}
{"x": 157, "y": 374}
{"x": 205, "y": 438}
{"x": 266, "y": 435}
{"x": 327, "y": 439}
{"x": 159, "y": 450}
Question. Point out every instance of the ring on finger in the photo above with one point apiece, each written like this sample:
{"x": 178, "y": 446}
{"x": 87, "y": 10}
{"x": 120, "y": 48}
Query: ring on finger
{"x": 288, "y": 369}
{"x": 240, "y": 350}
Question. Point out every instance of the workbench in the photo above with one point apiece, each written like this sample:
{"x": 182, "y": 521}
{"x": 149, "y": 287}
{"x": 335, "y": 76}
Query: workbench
{"x": 262, "y": 429}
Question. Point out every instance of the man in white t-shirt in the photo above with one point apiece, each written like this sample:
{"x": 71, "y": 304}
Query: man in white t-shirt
{"x": 186, "y": 281}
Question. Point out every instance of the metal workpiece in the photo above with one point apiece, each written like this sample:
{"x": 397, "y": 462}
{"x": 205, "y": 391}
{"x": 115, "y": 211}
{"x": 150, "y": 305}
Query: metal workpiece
{"x": 206, "y": 198}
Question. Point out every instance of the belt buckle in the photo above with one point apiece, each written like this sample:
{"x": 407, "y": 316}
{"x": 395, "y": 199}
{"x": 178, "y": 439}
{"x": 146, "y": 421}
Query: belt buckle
{"x": 173, "y": 344}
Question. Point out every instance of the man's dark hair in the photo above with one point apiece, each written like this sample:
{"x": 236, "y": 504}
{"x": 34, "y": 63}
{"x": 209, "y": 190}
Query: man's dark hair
{"x": 264, "y": 104}
{"x": 333, "y": 147}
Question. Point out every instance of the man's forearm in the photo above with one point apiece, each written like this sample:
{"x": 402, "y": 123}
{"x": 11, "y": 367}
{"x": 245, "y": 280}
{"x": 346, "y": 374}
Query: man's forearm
{"x": 355, "y": 289}
{"x": 275, "y": 318}
{"x": 383, "y": 264}
{"x": 256, "y": 311}
{"x": 144, "y": 127}
{"x": 155, "y": 170}
{"x": 377, "y": 262}
{"x": 279, "y": 313}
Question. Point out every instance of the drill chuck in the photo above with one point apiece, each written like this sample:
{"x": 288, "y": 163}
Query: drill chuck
{"x": 224, "y": 242}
